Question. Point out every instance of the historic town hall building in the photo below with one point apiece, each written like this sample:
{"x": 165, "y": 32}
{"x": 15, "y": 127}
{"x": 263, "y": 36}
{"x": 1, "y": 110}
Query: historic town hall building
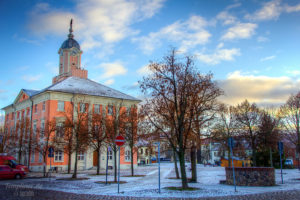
{"x": 52, "y": 102}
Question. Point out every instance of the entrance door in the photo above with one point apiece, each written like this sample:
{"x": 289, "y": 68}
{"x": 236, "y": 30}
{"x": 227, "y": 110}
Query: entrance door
{"x": 95, "y": 158}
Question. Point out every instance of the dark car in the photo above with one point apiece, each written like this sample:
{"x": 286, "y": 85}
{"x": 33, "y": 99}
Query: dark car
{"x": 6, "y": 172}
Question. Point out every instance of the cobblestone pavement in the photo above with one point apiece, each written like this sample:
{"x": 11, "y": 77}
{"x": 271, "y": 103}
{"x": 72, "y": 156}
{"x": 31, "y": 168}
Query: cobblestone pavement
{"x": 8, "y": 193}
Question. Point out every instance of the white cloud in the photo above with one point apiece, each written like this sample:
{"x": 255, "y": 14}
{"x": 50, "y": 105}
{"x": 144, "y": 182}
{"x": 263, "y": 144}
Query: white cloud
{"x": 262, "y": 39}
{"x": 294, "y": 72}
{"x": 187, "y": 34}
{"x": 267, "y": 58}
{"x": 95, "y": 22}
{"x": 31, "y": 78}
{"x": 226, "y": 18}
{"x": 113, "y": 69}
{"x": 109, "y": 82}
{"x": 270, "y": 10}
{"x": 240, "y": 31}
{"x": 144, "y": 70}
{"x": 290, "y": 9}
{"x": 133, "y": 86}
{"x": 259, "y": 89}
{"x": 219, "y": 55}
{"x": 150, "y": 7}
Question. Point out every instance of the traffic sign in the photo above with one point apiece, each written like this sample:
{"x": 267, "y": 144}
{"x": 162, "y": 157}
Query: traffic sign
{"x": 50, "y": 155}
{"x": 51, "y": 150}
{"x": 280, "y": 147}
{"x": 120, "y": 140}
{"x": 231, "y": 142}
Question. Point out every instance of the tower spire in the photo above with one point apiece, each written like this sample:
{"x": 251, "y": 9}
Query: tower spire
{"x": 71, "y": 29}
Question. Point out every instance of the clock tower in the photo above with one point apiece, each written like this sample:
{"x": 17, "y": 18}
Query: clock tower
{"x": 70, "y": 59}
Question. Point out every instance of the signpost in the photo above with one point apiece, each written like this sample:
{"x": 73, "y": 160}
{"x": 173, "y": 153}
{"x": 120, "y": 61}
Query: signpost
{"x": 158, "y": 149}
{"x": 50, "y": 155}
{"x": 108, "y": 150}
{"x": 231, "y": 145}
{"x": 119, "y": 142}
{"x": 280, "y": 149}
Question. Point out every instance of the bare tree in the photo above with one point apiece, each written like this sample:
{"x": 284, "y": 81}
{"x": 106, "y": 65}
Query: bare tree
{"x": 72, "y": 132}
{"x": 46, "y": 140}
{"x": 175, "y": 88}
{"x": 131, "y": 117}
{"x": 114, "y": 123}
{"x": 80, "y": 130}
{"x": 268, "y": 133}
{"x": 225, "y": 127}
{"x": 247, "y": 116}
{"x": 98, "y": 134}
{"x": 290, "y": 112}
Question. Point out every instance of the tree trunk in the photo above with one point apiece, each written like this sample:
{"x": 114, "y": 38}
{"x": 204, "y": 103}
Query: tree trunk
{"x": 131, "y": 160}
{"x": 271, "y": 157}
{"x": 69, "y": 163}
{"x": 20, "y": 155}
{"x": 175, "y": 165}
{"x": 199, "y": 155}
{"x": 253, "y": 154}
{"x": 182, "y": 170}
{"x": 193, "y": 164}
{"x": 229, "y": 157}
{"x": 115, "y": 164}
{"x": 75, "y": 166}
{"x": 98, "y": 159}
{"x": 44, "y": 167}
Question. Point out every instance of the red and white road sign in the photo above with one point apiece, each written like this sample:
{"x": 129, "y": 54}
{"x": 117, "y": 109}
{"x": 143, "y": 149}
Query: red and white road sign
{"x": 120, "y": 140}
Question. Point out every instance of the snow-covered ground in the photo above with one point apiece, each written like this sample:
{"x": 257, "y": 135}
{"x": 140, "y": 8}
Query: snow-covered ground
{"x": 208, "y": 183}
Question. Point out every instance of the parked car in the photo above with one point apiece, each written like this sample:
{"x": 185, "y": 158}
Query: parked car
{"x": 7, "y": 172}
{"x": 288, "y": 162}
{"x": 11, "y": 161}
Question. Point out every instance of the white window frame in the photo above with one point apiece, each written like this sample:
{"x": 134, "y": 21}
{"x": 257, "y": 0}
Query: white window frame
{"x": 40, "y": 157}
{"x": 58, "y": 156}
{"x": 127, "y": 155}
{"x": 80, "y": 156}
{"x": 110, "y": 155}
{"x": 32, "y": 156}
{"x": 35, "y": 108}
{"x": 60, "y": 132}
{"x": 97, "y": 108}
{"x": 34, "y": 128}
{"x": 82, "y": 107}
{"x": 42, "y": 133}
{"x": 44, "y": 106}
{"x": 110, "y": 109}
{"x": 61, "y": 106}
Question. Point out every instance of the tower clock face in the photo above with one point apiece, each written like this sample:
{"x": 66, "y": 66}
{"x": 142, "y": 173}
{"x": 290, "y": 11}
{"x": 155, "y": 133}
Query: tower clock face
{"x": 74, "y": 52}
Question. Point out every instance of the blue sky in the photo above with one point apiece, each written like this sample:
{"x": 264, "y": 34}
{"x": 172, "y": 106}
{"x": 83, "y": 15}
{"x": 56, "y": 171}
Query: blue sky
{"x": 252, "y": 47}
